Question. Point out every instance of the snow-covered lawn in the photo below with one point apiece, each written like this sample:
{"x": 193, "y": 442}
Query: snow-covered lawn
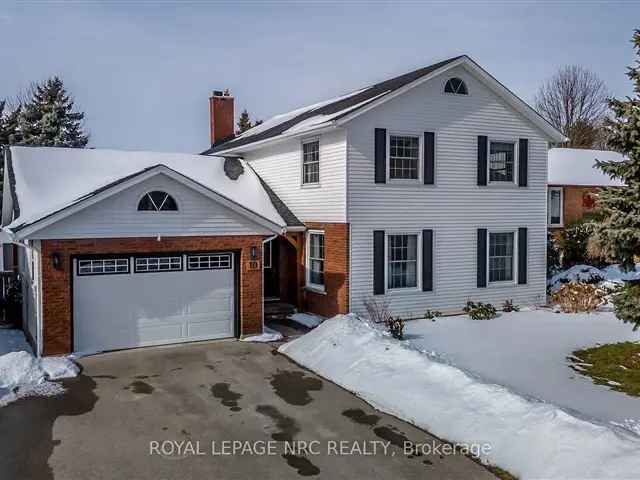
{"x": 527, "y": 352}
{"x": 529, "y": 438}
{"x": 23, "y": 375}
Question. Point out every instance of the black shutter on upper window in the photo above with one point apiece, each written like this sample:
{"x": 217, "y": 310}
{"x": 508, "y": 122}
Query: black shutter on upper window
{"x": 378, "y": 262}
{"x": 381, "y": 155}
{"x": 522, "y": 256}
{"x": 523, "y": 162}
{"x": 482, "y": 159}
{"x": 427, "y": 260}
{"x": 429, "y": 158}
{"x": 482, "y": 258}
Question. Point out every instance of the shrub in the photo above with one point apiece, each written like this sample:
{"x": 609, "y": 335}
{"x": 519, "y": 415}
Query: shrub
{"x": 377, "y": 309}
{"x": 627, "y": 304}
{"x": 574, "y": 245}
{"x": 553, "y": 255}
{"x": 480, "y": 311}
{"x": 508, "y": 306}
{"x": 395, "y": 326}
{"x": 432, "y": 315}
{"x": 578, "y": 297}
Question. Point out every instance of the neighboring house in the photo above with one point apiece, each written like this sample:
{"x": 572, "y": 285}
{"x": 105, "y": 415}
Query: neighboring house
{"x": 426, "y": 190}
{"x": 574, "y": 181}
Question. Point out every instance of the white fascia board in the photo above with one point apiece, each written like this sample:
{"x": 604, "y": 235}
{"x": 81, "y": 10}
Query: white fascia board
{"x": 323, "y": 128}
{"x": 89, "y": 200}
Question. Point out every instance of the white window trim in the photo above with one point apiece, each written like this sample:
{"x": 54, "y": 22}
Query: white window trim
{"x": 418, "y": 287}
{"x": 266, "y": 257}
{"x": 514, "y": 281}
{"x": 444, "y": 83}
{"x": 302, "y": 144}
{"x": 409, "y": 181}
{"x": 308, "y": 285}
{"x": 516, "y": 160}
{"x": 561, "y": 224}
{"x": 159, "y": 212}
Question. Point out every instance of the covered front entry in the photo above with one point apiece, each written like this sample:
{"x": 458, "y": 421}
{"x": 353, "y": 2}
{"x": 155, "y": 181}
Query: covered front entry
{"x": 126, "y": 301}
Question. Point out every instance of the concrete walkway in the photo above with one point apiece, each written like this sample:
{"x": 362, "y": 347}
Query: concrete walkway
{"x": 174, "y": 412}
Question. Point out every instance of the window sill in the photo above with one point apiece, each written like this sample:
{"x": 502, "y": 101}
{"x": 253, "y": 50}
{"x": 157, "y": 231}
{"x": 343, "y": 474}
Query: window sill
{"x": 506, "y": 185}
{"x": 313, "y": 289}
{"x": 400, "y": 291}
{"x": 508, "y": 283}
{"x": 310, "y": 185}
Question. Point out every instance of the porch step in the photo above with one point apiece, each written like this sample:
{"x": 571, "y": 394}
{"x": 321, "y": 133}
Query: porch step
{"x": 278, "y": 311}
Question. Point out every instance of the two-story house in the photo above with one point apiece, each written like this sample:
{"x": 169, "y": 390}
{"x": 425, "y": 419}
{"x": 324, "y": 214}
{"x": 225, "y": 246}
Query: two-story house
{"x": 428, "y": 189}
{"x": 425, "y": 191}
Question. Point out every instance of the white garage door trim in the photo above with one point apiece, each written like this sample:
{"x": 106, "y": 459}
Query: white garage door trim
{"x": 124, "y": 301}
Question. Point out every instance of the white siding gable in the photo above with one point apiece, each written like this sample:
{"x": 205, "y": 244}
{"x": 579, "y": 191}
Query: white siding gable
{"x": 455, "y": 206}
{"x": 280, "y": 165}
{"x": 117, "y": 216}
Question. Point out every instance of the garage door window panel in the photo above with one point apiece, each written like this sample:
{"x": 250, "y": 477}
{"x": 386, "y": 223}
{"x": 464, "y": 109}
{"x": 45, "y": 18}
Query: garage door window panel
{"x": 103, "y": 266}
{"x": 209, "y": 262}
{"x": 158, "y": 264}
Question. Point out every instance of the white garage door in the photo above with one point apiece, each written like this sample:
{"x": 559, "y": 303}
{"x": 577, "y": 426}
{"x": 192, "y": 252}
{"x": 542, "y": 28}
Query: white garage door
{"x": 133, "y": 301}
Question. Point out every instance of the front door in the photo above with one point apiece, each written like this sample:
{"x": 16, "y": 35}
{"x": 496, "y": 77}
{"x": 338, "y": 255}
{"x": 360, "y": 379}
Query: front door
{"x": 271, "y": 271}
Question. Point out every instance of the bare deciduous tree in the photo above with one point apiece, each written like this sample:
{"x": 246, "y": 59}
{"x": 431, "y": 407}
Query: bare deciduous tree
{"x": 575, "y": 101}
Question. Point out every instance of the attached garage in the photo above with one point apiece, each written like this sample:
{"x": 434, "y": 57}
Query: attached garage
{"x": 127, "y": 301}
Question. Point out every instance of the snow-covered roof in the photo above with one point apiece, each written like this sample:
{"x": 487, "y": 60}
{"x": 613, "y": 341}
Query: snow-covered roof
{"x": 341, "y": 109}
{"x": 574, "y": 166}
{"x": 47, "y": 180}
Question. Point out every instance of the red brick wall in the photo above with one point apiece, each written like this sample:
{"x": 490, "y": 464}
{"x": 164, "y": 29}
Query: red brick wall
{"x": 336, "y": 272}
{"x": 578, "y": 201}
{"x": 56, "y": 284}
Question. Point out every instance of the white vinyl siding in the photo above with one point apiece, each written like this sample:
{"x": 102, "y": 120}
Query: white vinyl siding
{"x": 456, "y": 207}
{"x": 280, "y": 165}
{"x": 118, "y": 216}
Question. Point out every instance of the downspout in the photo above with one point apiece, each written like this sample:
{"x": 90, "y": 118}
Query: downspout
{"x": 262, "y": 254}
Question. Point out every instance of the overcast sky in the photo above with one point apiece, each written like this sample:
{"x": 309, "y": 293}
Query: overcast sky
{"x": 142, "y": 72}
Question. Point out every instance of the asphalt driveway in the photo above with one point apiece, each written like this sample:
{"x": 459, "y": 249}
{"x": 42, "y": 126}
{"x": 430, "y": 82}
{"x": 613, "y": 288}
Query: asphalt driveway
{"x": 174, "y": 413}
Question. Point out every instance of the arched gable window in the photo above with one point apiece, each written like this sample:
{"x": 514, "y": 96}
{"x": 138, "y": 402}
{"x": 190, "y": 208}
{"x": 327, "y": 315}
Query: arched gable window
{"x": 456, "y": 86}
{"x": 157, "y": 201}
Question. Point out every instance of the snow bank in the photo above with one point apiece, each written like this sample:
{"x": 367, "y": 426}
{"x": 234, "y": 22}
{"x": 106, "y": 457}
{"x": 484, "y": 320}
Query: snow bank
{"x": 588, "y": 274}
{"x": 268, "y": 335}
{"x": 530, "y": 439}
{"x": 23, "y": 375}
{"x": 307, "y": 319}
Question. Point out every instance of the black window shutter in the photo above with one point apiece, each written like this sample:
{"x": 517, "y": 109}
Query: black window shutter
{"x": 482, "y": 258}
{"x": 427, "y": 260}
{"x": 482, "y": 160}
{"x": 378, "y": 262}
{"x": 429, "y": 158}
{"x": 523, "y": 162}
{"x": 522, "y": 256}
{"x": 381, "y": 155}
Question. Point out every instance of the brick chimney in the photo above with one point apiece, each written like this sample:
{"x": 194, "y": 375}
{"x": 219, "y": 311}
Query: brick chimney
{"x": 221, "y": 116}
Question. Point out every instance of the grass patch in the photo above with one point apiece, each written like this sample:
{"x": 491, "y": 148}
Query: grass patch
{"x": 616, "y": 365}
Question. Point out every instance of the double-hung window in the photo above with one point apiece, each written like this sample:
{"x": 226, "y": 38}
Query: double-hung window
{"x": 554, "y": 206}
{"x": 311, "y": 162}
{"x": 501, "y": 256}
{"x": 502, "y": 161}
{"x": 315, "y": 260}
{"x": 404, "y": 157}
{"x": 402, "y": 261}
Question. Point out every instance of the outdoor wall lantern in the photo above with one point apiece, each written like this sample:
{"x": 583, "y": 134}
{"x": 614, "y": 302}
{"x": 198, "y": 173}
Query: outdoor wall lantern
{"x": 56, "y": 259}
{"x": 254, "y": 253}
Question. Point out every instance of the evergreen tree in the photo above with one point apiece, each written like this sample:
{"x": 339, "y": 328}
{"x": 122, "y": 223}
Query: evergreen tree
{"x": 49, "y": 119}
{"x": 617, "y": 237}
{"x": 244, "y": 122}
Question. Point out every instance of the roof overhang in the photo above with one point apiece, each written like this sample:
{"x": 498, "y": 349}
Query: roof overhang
{"x": 491, "y": 82}
{"x": 22, "y": 231}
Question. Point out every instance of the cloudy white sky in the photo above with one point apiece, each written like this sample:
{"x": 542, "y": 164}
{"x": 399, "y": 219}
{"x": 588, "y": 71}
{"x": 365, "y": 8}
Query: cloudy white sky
{"x": 142, "y": 71}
